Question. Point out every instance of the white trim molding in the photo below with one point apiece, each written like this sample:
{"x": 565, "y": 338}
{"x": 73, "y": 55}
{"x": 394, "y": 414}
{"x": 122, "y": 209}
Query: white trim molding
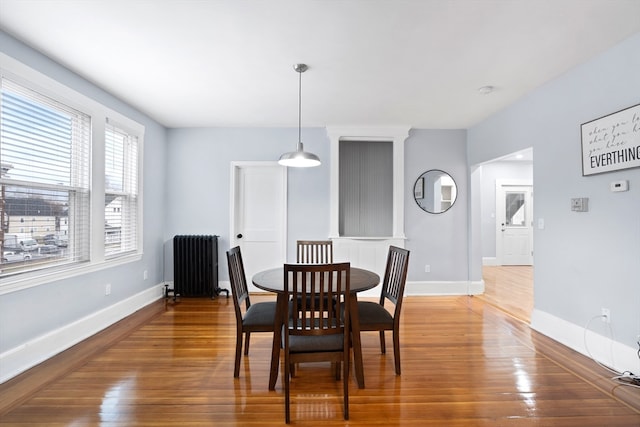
{"x": 395, "y": 134}
{"x": 605, "y": 350}
{"x": 489, "y": 261}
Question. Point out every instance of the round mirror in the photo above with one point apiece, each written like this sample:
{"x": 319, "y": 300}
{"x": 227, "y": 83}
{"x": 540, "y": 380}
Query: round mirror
{"x": 435, "y": 191}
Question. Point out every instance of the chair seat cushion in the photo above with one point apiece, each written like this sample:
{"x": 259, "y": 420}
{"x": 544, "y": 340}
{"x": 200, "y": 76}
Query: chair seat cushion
{"x": 371, "y": 313}
{"x": 261, "y": 313}
{"x": 310, "y": 344}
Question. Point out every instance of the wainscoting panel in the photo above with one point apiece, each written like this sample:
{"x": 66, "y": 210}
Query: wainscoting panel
{"x": 370, "y": 254}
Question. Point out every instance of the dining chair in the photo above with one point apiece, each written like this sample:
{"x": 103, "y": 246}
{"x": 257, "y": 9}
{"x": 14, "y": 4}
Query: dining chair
{"x": 375, "y": 316}
{"x": 314, "y": 251}
{"x": 317, "y": 333}
{"x": 258, "y": 317}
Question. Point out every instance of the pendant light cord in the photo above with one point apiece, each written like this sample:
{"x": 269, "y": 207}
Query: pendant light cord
{"x": 299, "y": 157}
{"x": 300, "y": 106}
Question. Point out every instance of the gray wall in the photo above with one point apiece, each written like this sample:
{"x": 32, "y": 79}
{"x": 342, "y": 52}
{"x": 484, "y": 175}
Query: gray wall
{"x": 198, "y": 183}
{"x": 583, "y": 261}
{"x": 439, "y": 240}
{"x": 31, "y": 313}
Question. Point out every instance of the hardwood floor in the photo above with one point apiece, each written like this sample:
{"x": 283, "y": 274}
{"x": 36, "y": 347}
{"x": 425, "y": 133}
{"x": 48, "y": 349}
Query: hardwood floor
{"x": 509, "y": 288}
{"x": 464, "y": 363}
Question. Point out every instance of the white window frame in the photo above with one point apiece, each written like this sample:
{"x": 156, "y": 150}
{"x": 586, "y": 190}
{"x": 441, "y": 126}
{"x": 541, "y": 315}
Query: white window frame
{"x": 99, "y": 114}
{"x": 395, "y": 134}
{"x": 131, "y": 189}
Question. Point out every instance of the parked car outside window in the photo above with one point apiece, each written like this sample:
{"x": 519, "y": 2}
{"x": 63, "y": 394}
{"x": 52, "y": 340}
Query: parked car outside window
{"x": 29, "y": 245}
{"x": 10, "y": 256}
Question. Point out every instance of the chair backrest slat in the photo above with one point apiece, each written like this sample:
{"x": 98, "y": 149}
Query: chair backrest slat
{"x": 314, "y": 251}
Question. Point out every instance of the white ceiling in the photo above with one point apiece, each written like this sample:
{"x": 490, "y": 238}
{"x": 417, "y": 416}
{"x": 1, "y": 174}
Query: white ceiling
{"x": 371, "y": 62}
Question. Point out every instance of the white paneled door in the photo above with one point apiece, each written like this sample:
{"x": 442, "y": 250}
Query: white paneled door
{"x": 514, "y": 238}
{"x": 259, "y": 215}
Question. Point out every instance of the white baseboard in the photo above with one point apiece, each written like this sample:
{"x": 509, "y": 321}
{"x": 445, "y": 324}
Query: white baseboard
{"x": 608, "y": 352}
{"x": 489, "y": 261}
{"x": 444, "y": 288}
{"x": 28, "y": 355}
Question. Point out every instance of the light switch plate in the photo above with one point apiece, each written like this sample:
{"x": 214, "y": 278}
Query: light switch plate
{"x": 580, "y": 204}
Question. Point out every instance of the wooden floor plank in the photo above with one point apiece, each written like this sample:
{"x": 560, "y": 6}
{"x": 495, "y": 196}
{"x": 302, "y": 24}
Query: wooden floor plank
{"x": 464, "y": 363}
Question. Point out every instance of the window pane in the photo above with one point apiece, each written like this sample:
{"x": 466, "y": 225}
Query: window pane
{"x": 515, "y": 209}
{"x": 366, "y": 188}
{"x": 121, "y": 189}
{"x": 44, "y": 151}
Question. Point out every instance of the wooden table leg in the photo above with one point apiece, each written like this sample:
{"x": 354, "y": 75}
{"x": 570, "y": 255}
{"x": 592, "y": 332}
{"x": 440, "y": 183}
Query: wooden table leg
{"x": 281, "y": 313}
{"x": 355, "y": 336}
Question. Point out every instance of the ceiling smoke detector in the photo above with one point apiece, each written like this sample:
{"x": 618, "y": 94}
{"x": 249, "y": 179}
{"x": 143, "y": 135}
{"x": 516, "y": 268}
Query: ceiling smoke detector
{"x": 485, "y": 90}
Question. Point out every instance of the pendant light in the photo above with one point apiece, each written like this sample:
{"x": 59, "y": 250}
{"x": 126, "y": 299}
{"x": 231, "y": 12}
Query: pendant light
{"x": 299, "y": 158}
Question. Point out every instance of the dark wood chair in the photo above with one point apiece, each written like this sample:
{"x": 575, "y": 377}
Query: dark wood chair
{"x": 258, "y": 317}
{"x": 314, "y": 251}
{"x": 317, "y": 330}
{"x": 375, "y": 316}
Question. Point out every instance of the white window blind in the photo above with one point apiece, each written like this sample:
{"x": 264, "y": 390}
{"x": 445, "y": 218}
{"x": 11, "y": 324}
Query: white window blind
{"x": 45, "y": 155}
{"x": 366, "y": 188}
{"x": 121, "y": 190}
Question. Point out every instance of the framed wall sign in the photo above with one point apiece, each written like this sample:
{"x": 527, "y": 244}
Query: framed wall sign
{"x": 611, "y": 142}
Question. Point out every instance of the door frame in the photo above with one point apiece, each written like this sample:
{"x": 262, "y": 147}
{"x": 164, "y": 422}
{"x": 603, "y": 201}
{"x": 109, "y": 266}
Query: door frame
{"x": 500, "y": 184}
{"x": 234, "y": 210}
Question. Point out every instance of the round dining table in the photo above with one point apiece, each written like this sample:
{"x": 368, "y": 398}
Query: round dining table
{"x": 272, "y": 280}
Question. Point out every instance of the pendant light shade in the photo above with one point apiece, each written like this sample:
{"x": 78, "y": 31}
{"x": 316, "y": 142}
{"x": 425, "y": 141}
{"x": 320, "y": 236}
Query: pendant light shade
{"x": 299, "y": 158}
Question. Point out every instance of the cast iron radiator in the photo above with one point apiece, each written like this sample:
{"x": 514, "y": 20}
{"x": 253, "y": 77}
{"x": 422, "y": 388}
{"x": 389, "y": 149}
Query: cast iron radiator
{"x": 195, "y": 266}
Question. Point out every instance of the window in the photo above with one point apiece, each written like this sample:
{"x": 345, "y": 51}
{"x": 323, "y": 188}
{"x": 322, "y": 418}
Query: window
{"x": 70, "y": 171}
{"x": 515, "y": 214}
{"x": 368, "y": 245}
{"x": 345, "y": 217}
{"x": 44, "y": 151}
{"x": 366, "y": 188}
{"x": 121, "y": 191}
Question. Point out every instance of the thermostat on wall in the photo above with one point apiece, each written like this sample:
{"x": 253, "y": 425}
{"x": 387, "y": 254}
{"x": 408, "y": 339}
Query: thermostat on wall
{"x": 620, "y": 185}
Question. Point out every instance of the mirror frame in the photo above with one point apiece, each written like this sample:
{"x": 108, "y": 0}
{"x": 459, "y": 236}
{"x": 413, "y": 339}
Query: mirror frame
{"x": 420, "y": 192}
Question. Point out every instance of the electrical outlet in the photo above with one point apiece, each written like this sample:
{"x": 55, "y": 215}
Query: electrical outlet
{"x": 145, "y": 275}
{"x": 427, "y": 268}
{"x": 107, "y": 289}
{"x": 606, "y": 315}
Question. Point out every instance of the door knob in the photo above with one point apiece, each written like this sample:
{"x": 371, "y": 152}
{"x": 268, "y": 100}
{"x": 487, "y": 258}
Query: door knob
{"x": 239, "y": 236}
